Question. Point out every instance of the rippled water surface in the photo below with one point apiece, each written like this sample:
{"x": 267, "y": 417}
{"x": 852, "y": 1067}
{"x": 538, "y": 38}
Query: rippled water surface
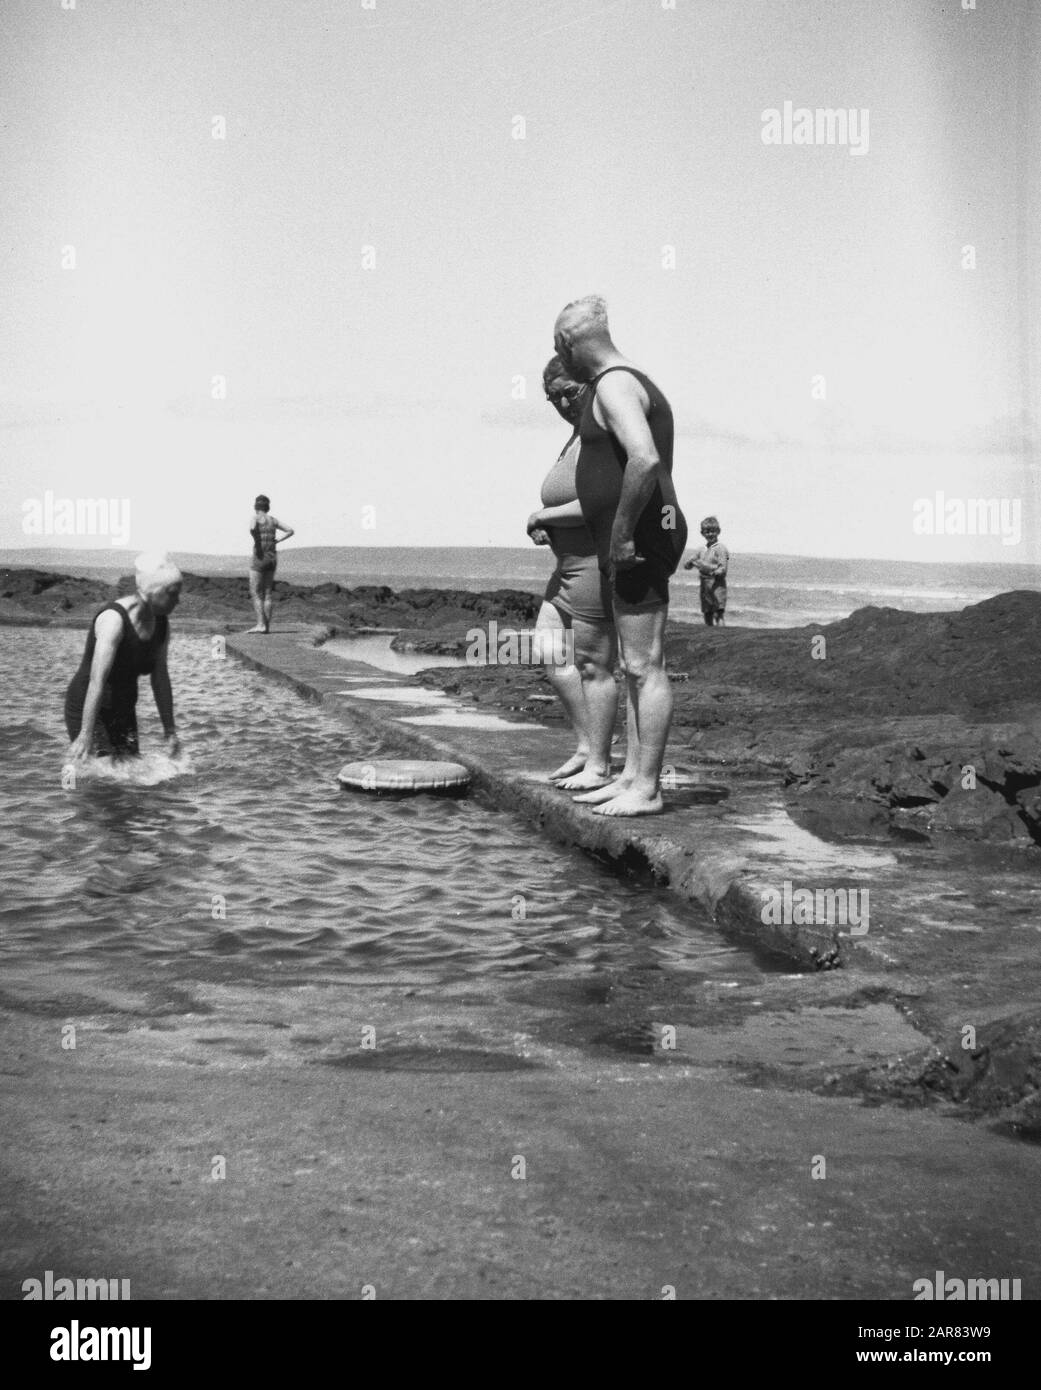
{"x": 248, "y": 865}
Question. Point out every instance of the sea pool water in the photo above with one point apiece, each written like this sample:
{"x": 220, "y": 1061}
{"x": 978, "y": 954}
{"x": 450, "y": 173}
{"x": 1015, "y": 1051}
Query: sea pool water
{"x": 244, "y": 864}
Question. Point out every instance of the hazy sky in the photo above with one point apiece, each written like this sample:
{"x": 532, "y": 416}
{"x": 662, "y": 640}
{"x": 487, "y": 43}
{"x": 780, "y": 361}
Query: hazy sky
{"x": 395, "y": 386}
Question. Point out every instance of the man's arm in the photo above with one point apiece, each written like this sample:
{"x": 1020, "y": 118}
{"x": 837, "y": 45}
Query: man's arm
{"x": 623, "y": 403}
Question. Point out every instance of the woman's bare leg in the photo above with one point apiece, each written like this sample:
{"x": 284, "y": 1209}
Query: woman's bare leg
{"x": 567, "y": 685}
{"x": 257, "y": 599}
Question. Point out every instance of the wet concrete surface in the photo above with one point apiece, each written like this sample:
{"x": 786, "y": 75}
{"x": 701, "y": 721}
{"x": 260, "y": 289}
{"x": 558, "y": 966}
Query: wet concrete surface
{"x": 461, "y": 1158}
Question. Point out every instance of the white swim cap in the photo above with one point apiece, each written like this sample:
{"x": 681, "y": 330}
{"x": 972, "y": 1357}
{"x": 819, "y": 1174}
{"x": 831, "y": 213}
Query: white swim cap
{"x": 154, "y": 571}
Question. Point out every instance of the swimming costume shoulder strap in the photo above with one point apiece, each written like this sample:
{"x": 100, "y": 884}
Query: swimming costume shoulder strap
{"x": 644, "y": 379}
{"x": 112, "y": 607}
{"x": 590, "y": 400}
{"x": 575, "y": 435}
{"x": 648, "y": 385}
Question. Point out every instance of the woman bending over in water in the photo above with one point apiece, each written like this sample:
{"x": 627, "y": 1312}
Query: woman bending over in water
{"x": 128, "y": 638}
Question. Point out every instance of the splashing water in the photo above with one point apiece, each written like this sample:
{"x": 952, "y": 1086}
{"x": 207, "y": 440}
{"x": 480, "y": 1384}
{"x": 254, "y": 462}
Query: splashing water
{"x": 148, "y": 769}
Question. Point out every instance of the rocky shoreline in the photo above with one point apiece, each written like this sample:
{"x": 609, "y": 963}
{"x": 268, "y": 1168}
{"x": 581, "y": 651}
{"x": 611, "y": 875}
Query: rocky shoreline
{"x": 883, "y": 724}
{"x": 45, "y": 597}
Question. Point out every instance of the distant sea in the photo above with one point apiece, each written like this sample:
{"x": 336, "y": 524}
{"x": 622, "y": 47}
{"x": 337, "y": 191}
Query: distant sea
{"x": 764, "y": 590}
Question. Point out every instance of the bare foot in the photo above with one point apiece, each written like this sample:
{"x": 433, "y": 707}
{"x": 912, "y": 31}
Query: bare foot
{"x": 574, "y": 764}
{"x": 632, "y": 803}
{"x": 585, "y": 781}
{"x": 262, "y": 630}
{"x": 604, "y": 793}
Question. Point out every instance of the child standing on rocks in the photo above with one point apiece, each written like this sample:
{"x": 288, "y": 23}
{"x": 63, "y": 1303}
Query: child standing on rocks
{"x": 711, "y": 561}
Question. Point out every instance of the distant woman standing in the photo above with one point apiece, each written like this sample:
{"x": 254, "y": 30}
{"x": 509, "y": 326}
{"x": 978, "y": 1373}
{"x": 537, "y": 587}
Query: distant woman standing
{"x": 128, "y": 638}
{"x": 264, "y": 562}
{"x": 576, "y": 601}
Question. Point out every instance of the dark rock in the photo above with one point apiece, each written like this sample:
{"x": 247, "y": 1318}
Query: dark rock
{"x": 907, "y": 781}
{"x": 1002, "y": 1069}
{"x": 1018, "y": 756}
{"x": 1029, "y": 803}
{"x": 981, "y": 811}
{"x": 981, "y": 660}
{"x": 367, "y": 593}
{"x": 451, "y": 643}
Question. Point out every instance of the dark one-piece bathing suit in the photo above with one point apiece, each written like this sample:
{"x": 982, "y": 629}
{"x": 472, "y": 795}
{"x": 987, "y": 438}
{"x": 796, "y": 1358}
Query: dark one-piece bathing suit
{"x": 117, "y": 716}
{"x": 660, "y": 534}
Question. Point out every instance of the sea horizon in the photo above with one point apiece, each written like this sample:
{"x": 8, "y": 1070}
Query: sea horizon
{"x": 766, "y": 590}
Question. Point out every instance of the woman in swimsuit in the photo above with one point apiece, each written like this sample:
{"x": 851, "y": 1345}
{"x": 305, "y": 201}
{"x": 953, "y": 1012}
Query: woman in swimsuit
{"x": 264, "y": 561}
{"x": 576, "y": 601}
{"x": 128, "y": 638}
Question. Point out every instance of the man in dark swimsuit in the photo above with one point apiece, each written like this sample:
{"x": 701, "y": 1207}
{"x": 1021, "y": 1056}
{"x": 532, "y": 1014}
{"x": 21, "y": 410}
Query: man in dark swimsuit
{"x": 624, "y": 483}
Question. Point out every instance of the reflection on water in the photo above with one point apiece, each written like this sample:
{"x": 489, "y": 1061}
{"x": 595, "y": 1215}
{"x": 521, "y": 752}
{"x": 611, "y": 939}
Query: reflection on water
{"x": 377, "y": 651}
{"x": 245, "y": 862}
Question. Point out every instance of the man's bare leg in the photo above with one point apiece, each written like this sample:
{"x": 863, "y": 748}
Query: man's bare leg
{"x": 595, "y": 652}
{"x": 627, "y": 775}
{"x": 641, "y": 636}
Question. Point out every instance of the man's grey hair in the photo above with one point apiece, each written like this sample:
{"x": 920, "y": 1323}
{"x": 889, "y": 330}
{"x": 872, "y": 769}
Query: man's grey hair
{"x": 588, "y": 313}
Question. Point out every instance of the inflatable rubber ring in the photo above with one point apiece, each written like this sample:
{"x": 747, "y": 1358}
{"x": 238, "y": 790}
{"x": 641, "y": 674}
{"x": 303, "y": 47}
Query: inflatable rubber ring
{"x": 405, "y": 776}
